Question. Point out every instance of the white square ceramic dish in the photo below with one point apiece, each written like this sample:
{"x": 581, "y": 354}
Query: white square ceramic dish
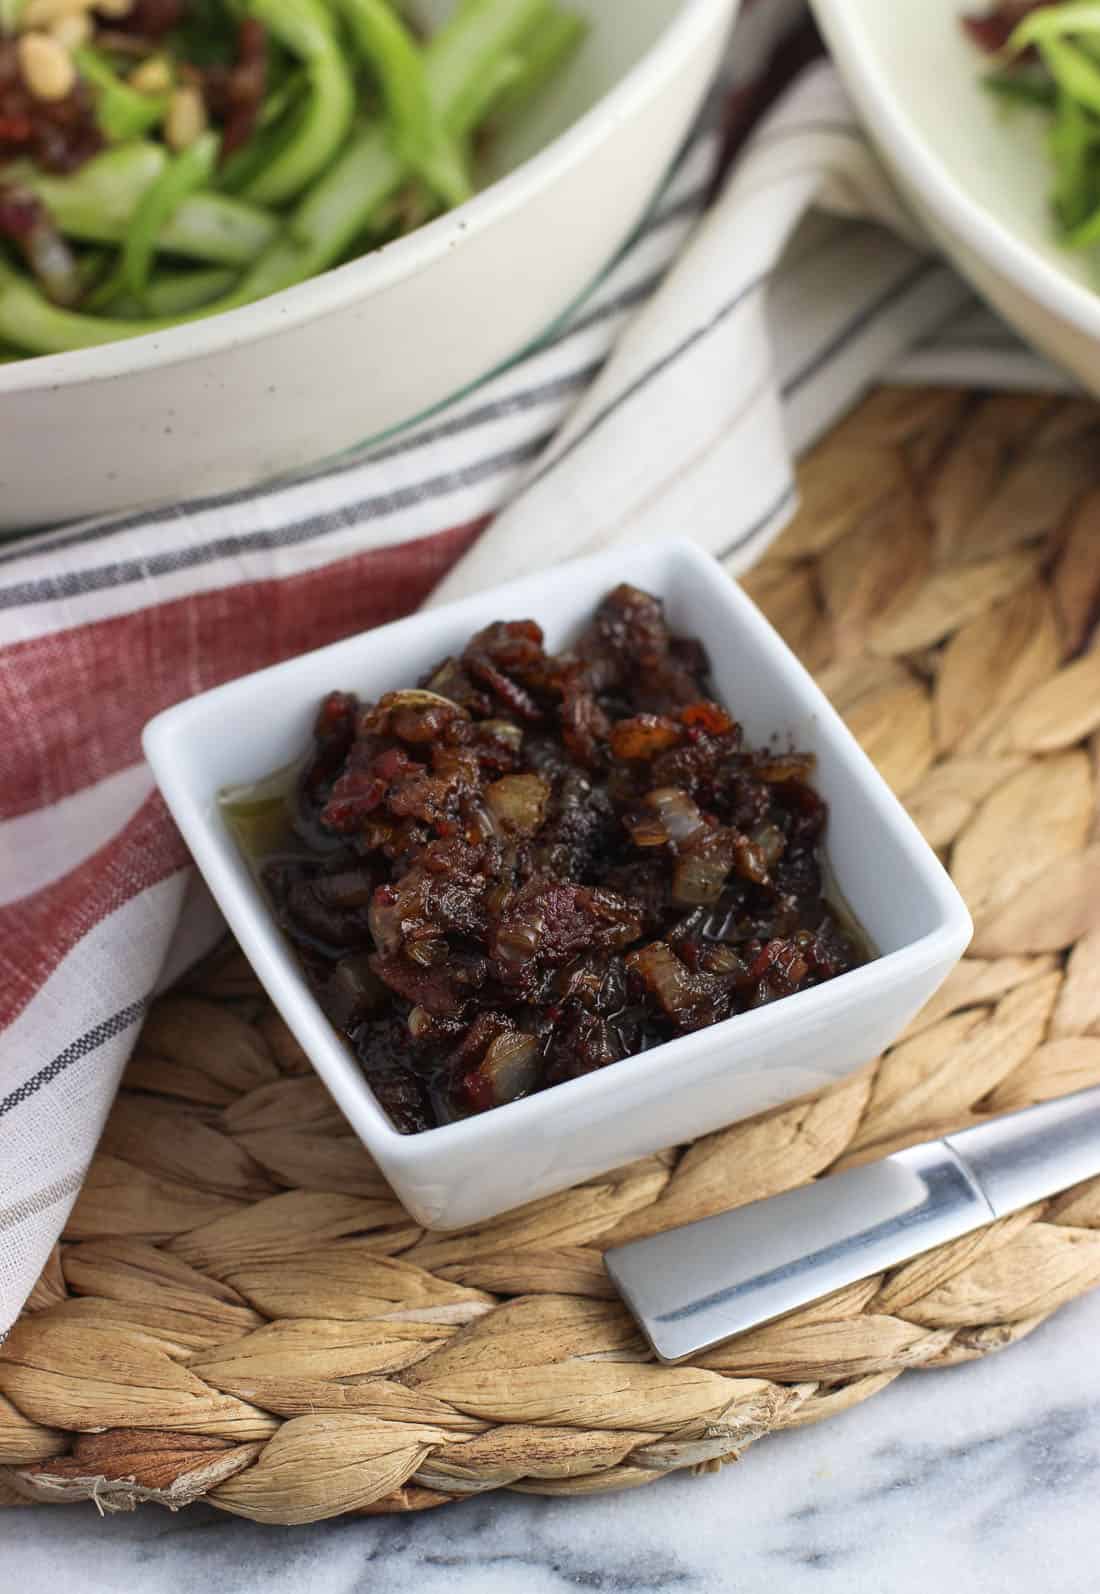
{"x": 468, "y": 1171}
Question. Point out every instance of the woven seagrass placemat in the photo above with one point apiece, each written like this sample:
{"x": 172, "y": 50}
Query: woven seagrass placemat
{"x": 241, "y": 1312}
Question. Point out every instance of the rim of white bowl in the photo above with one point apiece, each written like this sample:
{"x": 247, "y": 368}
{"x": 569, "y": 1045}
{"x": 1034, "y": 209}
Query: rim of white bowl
{"x": 997, "y": 244}
{"x": 334, "y": 289}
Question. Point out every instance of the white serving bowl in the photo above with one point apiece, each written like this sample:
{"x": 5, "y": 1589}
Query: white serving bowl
{"x": 466, "y": 1171}
{"x": 297, "y": 377}
{"x": 979, "y": 180}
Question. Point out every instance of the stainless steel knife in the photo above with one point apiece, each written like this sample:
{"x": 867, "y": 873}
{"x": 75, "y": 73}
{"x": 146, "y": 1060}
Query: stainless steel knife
{"x": 694, "y": 1286}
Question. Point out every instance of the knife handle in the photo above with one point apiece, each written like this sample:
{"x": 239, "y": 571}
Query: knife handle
{"x": 1026, "y": 1155}
{"x": 694, "y": 1286}
{"x": 699, "y": 1284}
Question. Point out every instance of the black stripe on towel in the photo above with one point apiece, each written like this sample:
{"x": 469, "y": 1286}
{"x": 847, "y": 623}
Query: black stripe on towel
{"x": 84, "y": 1046}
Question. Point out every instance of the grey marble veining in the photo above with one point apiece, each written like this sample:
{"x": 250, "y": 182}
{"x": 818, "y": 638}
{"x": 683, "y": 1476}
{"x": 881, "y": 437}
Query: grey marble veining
{"x": 981, "y": 1480}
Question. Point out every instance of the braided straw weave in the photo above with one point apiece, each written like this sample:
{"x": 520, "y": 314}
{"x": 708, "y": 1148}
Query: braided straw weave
{"x": 241, "y": 1312}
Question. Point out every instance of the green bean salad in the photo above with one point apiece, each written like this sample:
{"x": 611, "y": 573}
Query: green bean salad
{"x": 1047, "y": 57}
{"x": 167, "y": 159}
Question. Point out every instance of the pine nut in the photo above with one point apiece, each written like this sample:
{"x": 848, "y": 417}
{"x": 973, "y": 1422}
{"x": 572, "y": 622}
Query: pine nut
{"x": 151, "y": 77}
{"x": 71, "y": 31}
{"x": 45, "y": 67}
{"x": 186, "y": 117}
{"x": 42, "y": 13}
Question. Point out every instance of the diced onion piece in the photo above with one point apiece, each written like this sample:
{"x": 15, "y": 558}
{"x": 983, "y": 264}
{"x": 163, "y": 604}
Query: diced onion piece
{"x": 700, "y": 876}
{"x": 784, "y": 767}
{"x": 479, "y": 820}
{"x": 353, "y": 991}
{"x": 421, "y": 697}
{"x": 452, "y": 682}
{"x": 518, "y": 802}
{"x": 719, "y": 959}
{"x": 384, "y": 919}
{"x": 419, "y": 1022}
{"x": 502, "y": 731}
{"x": 509, "y": 1069}
{"x": 648, "y": 831}
{"x": 414, "y": 715}
{"x": 350, "y": 888}
{"x": 517, "y": 940}
{"x": 426, "y": 954}
{"x": 675, "y": 818}
{"x": 663, "y": 975}
{"x": 749, "y": 861}
{"x": 772, "y": 843}
{"x": 512, "y": 1062}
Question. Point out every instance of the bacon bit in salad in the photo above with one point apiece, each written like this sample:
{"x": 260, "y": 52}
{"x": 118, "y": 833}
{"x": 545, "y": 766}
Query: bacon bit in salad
{"x": 152, "y": 19}
{"x": 58, "y": 135}
{"x": 25, "y": 221}
{"x": 234, "y": 94}
{"x": 548, "y": 871}
{"x": 991, "y": 30}
{"x": 19, "y": 212}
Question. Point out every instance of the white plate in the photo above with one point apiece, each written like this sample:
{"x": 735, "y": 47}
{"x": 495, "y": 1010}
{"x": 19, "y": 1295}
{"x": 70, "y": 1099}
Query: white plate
{"x": 979, "y": 179}
{"x": 467, "y": 1171}
{"x": 295, "y": 378}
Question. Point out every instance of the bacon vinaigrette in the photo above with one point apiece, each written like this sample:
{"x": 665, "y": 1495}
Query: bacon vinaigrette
{"x": 532, "y": 865}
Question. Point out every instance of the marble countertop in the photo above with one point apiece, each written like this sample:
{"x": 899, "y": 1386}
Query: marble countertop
{"x": 981, "y": 1479}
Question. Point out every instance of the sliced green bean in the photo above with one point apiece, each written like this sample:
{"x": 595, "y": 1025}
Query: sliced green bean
{"x": 96, "y": 201}
{"x": 31, "y": 322}
{"x": 96, "y": 204}
{"x": 188, "y": 171}
{"x": 91, "y": 266}
{"x": 1074, "y": 72}
{"x": 1067, "y": 38}
{"x": 419, "y": 133}
{"x": 363, "y": 178}
{"x": 177, "y": 293}
{"x": 219, "y": 229}
{"x": 1026, "y": 88}
{"x": 121, "y": 111}
{"x": 104, "y": 296}
{"x": 491, "y": 89}
{"x": 1052, "y": 22}
{"x": 512, "y": 80}
{"x": 470, "y": 45}
{"x": 304, "y": 28}
{"x": 367, "y": 174}
{"x": 1072, "y": 147}
{"x": 553, "y": 40}
{"x": 1085, "y": 235}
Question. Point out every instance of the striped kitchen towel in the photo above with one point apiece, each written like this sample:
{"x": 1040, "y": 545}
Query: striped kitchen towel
{"x": 671, "y": 401}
